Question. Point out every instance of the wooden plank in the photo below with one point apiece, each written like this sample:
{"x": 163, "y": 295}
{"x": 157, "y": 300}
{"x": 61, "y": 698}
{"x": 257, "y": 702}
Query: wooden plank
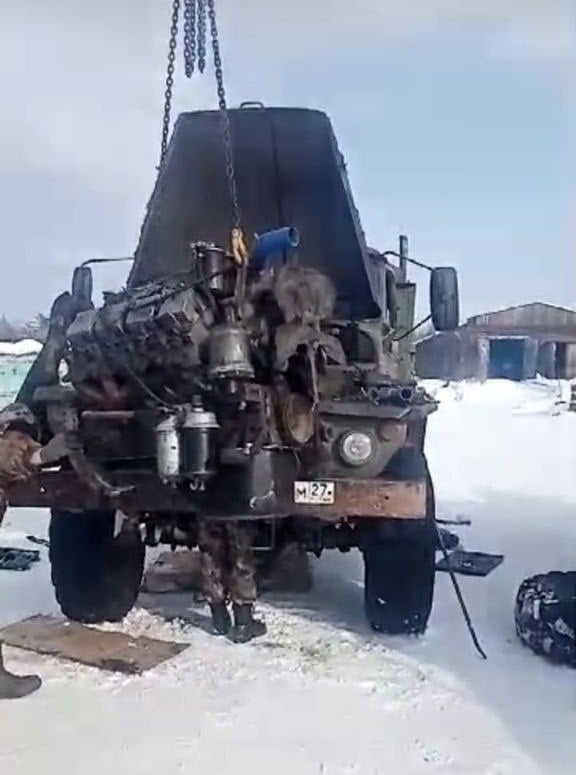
{"x": 114, "y": 651}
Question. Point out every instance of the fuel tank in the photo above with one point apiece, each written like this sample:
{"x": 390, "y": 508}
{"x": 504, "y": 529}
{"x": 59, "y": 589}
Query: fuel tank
{"x": 289, "y": 171}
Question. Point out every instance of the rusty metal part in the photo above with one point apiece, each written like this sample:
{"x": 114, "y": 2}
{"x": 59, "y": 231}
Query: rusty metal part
{"x": 114, "y": 395}
{"x": 54, "y": 394}
{"x": 353, "y": 499}
{"x": 107, "y": 395}
{"x": 362, "y": 409}
{"x": 114, "y": 415}
{"x": 367, "y": 498}
{"x": 297, "y": 413}
{"x": 67, "y": 490}
{"x": 394, "y": 433}
{"x": 64, "y": 423}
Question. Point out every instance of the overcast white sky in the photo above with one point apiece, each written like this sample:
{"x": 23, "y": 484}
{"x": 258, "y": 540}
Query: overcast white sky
{"x": 457, "y": 119}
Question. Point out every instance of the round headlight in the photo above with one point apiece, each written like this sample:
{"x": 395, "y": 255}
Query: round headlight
{"x": 356, "y": 448}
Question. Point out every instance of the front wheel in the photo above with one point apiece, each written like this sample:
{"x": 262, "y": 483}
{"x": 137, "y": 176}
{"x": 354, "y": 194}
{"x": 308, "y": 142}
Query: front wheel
{"x": 96, "y": 575}
{"x": 400, "y": 567}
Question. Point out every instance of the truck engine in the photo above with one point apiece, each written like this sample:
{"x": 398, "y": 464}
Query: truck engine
{"x": 227, "y": 360}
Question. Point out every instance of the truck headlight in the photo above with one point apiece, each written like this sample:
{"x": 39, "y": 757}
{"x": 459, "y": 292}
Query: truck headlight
{"x": 356, "y": 447}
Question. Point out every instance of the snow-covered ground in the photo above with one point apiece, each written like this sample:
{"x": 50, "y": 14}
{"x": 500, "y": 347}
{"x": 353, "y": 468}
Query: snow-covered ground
{"x": 321, "y": 694}
{"x": 21, "y": 348}
{"x": 15, "y": 361}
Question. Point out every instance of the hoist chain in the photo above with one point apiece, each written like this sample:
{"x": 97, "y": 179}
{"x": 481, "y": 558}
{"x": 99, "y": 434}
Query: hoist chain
{"x": 172, "y": 43}
{"x": 224, "y": 117}
{"x": 197, "y": 14}
{"x": 189, "y": 37}
{"x": 201, "y": 32}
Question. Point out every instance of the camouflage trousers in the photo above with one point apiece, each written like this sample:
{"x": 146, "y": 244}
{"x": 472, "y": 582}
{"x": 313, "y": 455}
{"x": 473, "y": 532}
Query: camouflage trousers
{"x": 227, "y": 562}
{"x": 16, "y": 451}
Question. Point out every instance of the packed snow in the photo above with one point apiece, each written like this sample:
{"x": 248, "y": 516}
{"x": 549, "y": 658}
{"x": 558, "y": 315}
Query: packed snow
{"x": 15, "y": 361}
{"x": 21, "y": 348}
{"x": 320, "y": 693}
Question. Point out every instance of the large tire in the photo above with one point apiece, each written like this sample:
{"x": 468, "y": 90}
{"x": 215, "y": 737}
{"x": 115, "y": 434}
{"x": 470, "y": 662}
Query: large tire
{"x": 444, "y": 299}
{"x": 96, "y": 576}
{"x": 400, "y": 563}
{"x": 545, "y": 615}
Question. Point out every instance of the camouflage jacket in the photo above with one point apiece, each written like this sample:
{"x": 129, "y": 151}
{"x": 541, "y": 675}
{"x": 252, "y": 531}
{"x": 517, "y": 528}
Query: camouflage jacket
{"x": 17, "y": 447}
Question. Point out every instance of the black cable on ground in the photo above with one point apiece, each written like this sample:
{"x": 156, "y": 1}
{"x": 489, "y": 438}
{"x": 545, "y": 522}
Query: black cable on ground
{"x": 458, "y": 592}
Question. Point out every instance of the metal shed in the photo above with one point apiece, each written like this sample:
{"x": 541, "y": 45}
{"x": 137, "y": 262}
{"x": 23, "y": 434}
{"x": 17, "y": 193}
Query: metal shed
{"x": 514, "y": 343}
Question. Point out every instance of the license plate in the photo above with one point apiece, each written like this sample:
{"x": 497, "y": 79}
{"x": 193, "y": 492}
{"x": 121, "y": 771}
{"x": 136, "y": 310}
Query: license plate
{"x": 314, "y": 493}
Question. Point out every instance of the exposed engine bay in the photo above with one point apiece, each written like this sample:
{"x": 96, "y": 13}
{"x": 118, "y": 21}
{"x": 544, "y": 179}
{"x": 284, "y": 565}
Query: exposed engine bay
{"x": 234, "y": 366}
{"x": 244, "y": 381}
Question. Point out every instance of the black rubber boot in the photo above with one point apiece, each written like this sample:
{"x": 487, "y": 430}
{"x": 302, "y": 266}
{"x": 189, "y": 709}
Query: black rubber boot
{"x": 221, "y": 621}
{"x": 246, "y": 627}
{"x": 13, "y": 686}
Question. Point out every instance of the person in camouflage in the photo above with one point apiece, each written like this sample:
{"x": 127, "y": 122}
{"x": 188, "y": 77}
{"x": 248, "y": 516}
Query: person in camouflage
{"x": 19, "y": 459}
{"x": 229, "y": 575}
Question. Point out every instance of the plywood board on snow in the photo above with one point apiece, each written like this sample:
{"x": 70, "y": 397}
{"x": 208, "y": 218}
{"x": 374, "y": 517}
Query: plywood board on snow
{"x": 115, "y": 651}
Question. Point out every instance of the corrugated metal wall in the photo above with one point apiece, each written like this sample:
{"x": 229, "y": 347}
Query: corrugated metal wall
{"x": 451, "y": 355}
{"x": 571, "y": 361}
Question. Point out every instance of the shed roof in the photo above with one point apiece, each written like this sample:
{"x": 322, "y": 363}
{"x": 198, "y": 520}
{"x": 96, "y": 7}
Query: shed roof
{"x": 534, "y": 315}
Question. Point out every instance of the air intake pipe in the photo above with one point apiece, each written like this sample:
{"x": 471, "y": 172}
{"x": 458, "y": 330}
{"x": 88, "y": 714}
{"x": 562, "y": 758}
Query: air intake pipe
{"x": 273, "y": 245}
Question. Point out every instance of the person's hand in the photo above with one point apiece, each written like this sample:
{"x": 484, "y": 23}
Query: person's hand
{"x": 16, "y": 452}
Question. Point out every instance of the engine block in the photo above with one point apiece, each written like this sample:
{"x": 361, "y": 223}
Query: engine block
{"x": 159, "y": 327}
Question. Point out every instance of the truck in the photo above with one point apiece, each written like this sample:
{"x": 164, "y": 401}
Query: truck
{"x": 266, "y": 378}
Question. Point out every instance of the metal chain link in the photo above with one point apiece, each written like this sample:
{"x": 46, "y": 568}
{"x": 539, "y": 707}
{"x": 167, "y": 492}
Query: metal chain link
{"x": 172, "y": 44}
{"x": 224, "y": 117}
{"x": 196, "y": 15}
{"x": 189, "y": 37}
{"x": 201, "y": 33}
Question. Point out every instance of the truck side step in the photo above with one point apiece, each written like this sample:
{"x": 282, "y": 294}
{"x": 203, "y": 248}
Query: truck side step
{"x": 470, "y": 563}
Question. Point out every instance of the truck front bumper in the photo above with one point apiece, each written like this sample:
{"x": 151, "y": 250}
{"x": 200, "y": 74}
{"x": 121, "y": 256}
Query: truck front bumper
{"x": 332, "y": 500}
